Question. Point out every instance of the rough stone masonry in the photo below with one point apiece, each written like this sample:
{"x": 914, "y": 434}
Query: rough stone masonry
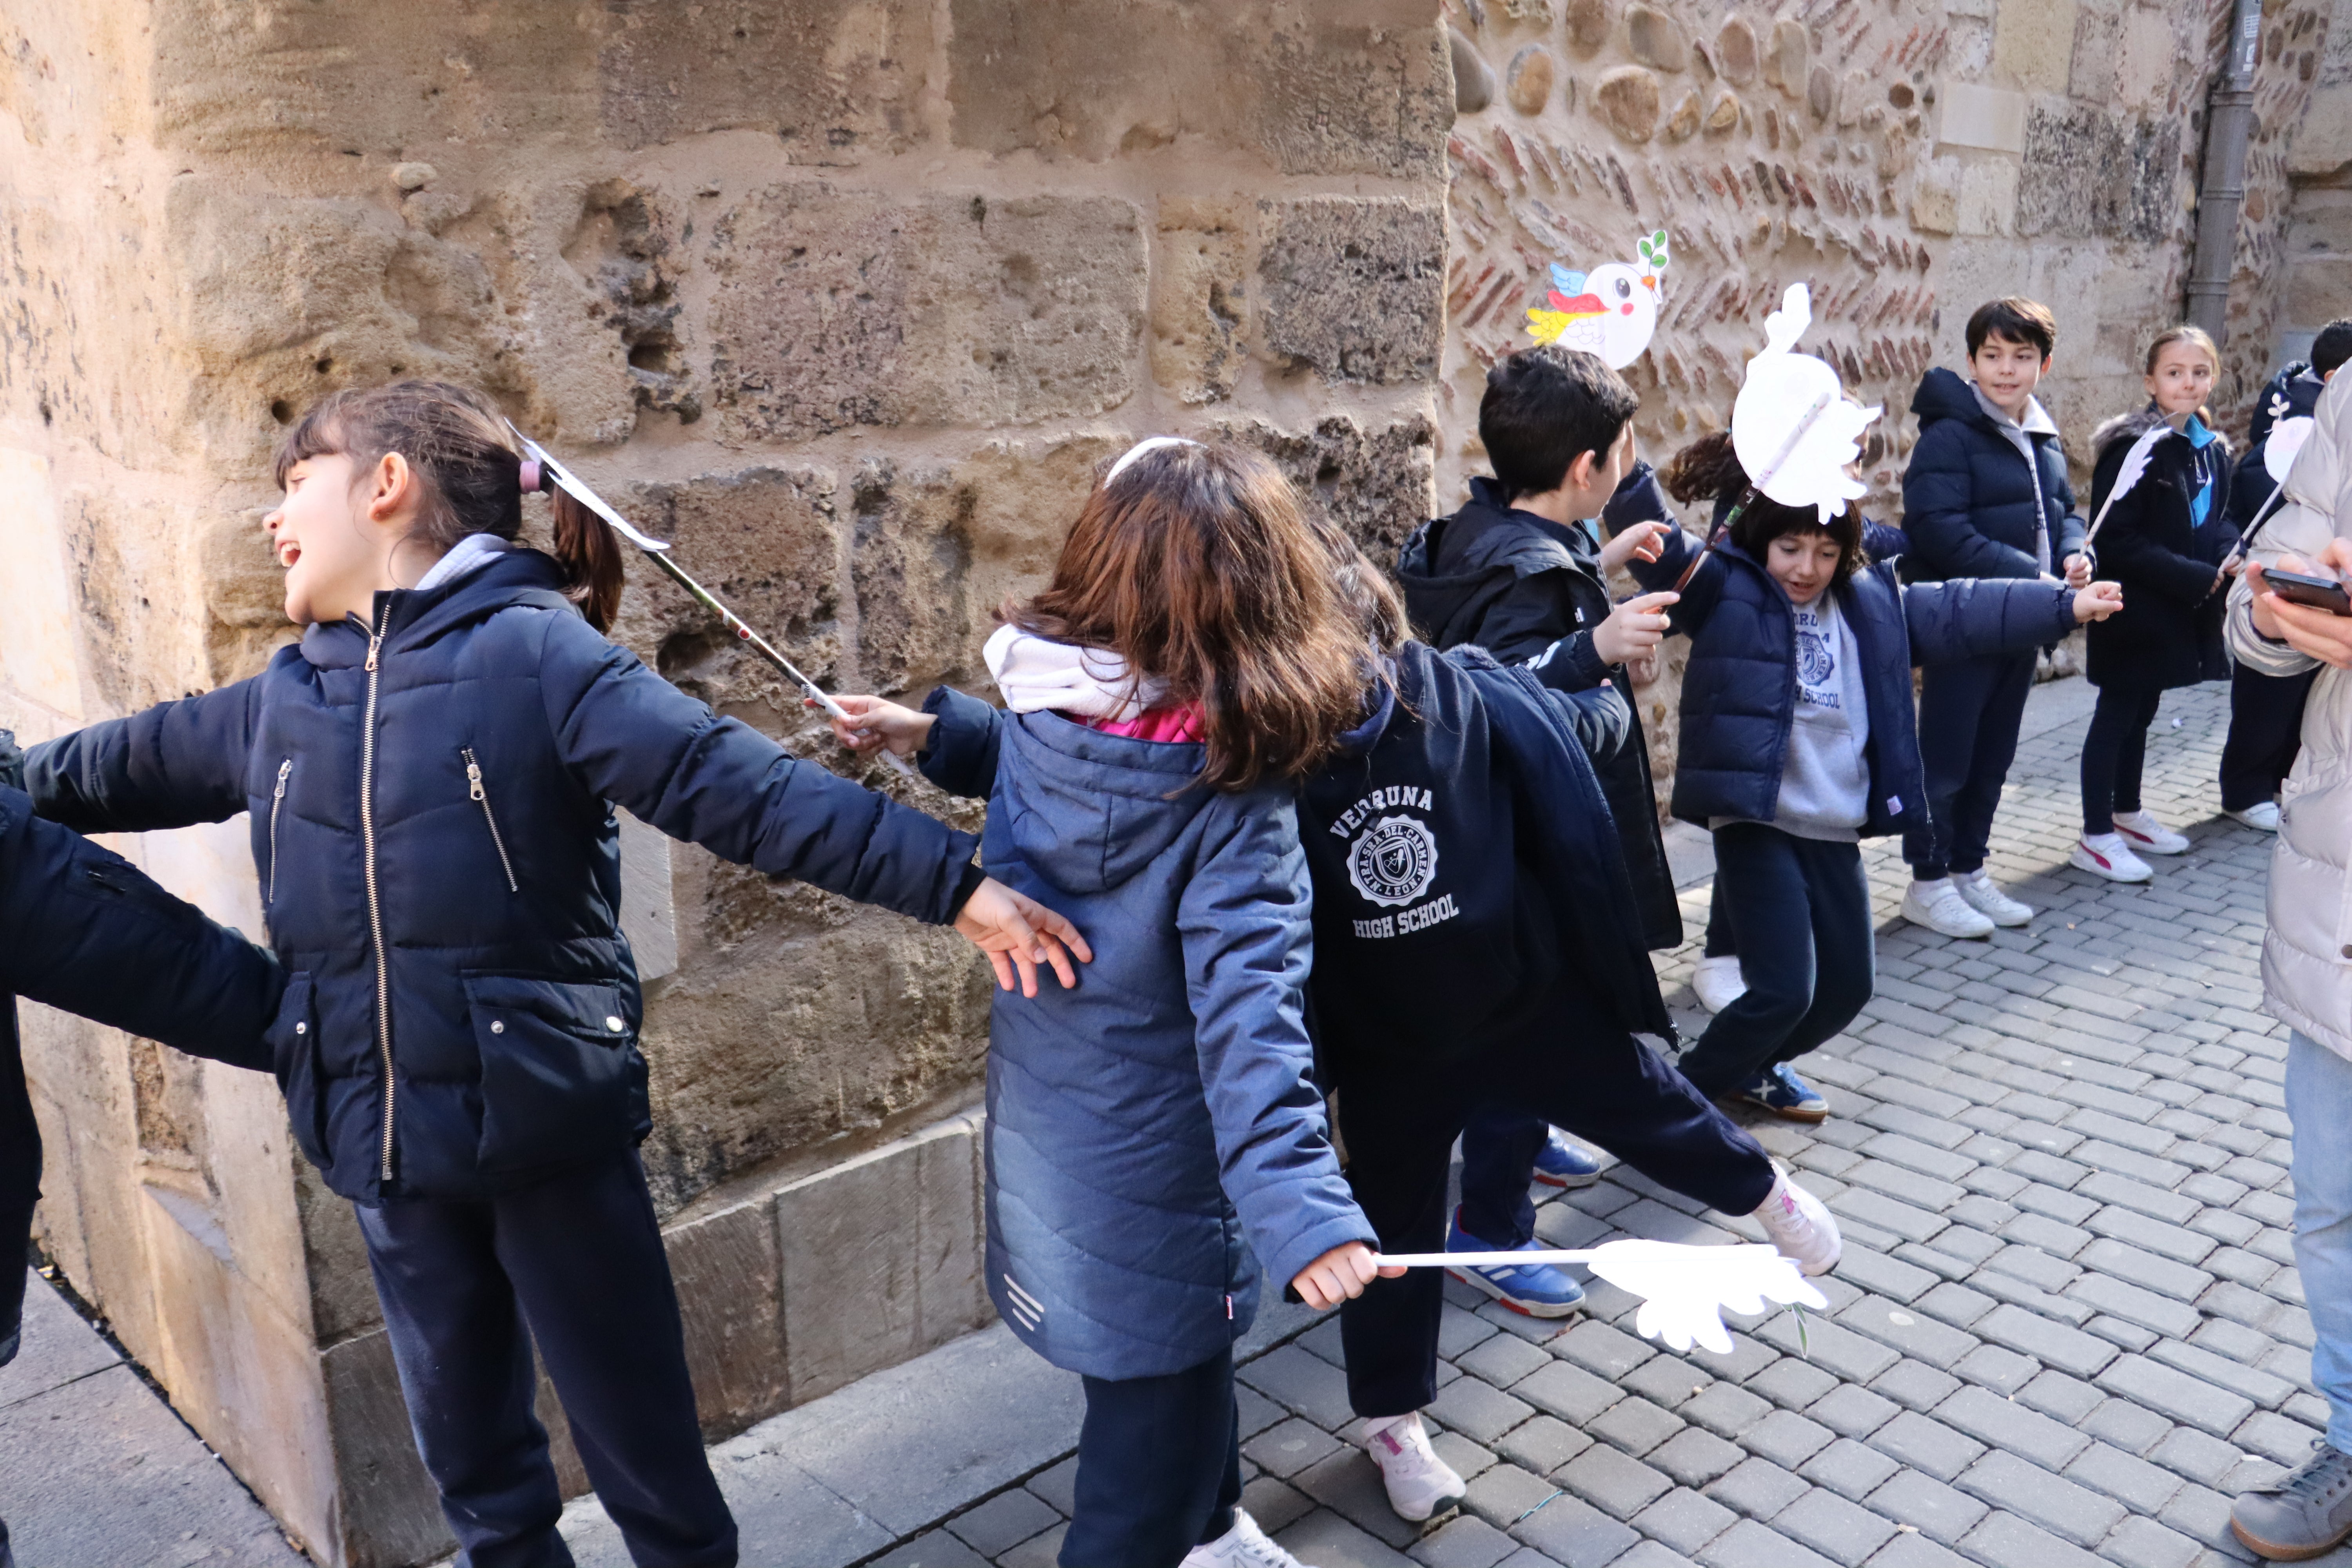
{"x": 852, "y": 298}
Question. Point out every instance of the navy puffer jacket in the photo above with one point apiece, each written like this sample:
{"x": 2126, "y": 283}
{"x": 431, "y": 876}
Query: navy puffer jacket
{"x": 1970, "y": 501}
{"x": 1150, "y": 1130}
{"x": 1739, "y": 690}
{"x": 433, "y": 828}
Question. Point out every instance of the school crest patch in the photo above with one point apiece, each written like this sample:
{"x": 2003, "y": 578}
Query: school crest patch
{"x": 1392, "y": 861}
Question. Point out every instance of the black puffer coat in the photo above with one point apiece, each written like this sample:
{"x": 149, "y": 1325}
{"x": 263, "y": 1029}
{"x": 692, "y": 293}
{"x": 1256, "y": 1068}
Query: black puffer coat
{"x": 1972, "y": 505}
{"x": 433, "y": 828}
{"x": 1530, "y": 593}
{"x": 2169, "y": 632}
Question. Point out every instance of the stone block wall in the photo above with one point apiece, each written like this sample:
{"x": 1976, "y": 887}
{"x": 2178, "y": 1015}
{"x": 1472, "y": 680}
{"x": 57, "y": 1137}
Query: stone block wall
{"x": 852, "y": 298}
{"x": 2311, "y": 283}
{"x": 1909, "y": 161}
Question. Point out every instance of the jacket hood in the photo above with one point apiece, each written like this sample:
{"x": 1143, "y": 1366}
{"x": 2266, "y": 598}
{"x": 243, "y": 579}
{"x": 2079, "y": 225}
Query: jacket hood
{"x": 1947, "y": 394}
{"x": 1449, "y": 561}
{"x": 1090, "y": 810}
{"x": 412, "y": 617}
{"x": 2292, "y": 394}
{"x": 2131, "y": 426}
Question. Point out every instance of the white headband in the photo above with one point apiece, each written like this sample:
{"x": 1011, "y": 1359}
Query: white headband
{"x": 1149, "y": 443}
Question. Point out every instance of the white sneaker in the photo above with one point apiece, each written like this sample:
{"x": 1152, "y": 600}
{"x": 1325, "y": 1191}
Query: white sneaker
{"x": 2144, "y": 834}
{"x": 2262, "y": 817}
{"x": 1243, "y": 1546}
{"x": 1718, "y": 981}
{"x": 1800, "y": 1225}
{"x": 1420, "y": 1483}
{"x": 2109, "y": 855}
{"x": 1976, "y": 889}
{"x": 1937, "y": 905}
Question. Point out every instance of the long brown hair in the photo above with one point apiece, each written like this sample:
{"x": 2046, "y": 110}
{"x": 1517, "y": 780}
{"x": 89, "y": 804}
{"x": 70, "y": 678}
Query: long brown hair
{"x": 1197, "y": 565}
{"x": 1708, "y": 469}
{"x": 470, "y": 476}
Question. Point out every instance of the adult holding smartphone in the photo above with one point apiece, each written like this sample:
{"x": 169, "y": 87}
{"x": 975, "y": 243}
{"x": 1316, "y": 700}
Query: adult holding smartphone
{"x": 2306, "y": 962}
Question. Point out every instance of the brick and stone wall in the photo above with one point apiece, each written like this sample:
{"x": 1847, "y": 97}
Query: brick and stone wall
{"x": 1909, "y": 161}
{"x": 852, "y": 298}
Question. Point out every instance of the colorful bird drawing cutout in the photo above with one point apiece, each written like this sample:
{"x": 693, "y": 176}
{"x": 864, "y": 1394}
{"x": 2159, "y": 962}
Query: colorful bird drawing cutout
{"x": 1612, "y": 310}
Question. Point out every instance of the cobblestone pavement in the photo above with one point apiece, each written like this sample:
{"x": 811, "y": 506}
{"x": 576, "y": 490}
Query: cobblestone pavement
{"x": 2067, "y": 1328}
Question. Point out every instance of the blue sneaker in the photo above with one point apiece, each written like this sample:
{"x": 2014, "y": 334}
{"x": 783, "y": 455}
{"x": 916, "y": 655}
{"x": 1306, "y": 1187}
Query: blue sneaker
{"x": 1533, "y": 1289}
{"x": 1779, "y": 1090}
{"x": 1562, "y": 1165}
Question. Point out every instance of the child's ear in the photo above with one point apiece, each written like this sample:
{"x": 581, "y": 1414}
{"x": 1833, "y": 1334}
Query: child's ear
{"x": 1580, "y": 472}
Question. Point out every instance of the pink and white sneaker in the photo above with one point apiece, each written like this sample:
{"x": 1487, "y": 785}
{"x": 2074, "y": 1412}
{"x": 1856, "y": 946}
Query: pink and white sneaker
{"x": 2146, "y": 835}
{"x": 1420, "y": 1484}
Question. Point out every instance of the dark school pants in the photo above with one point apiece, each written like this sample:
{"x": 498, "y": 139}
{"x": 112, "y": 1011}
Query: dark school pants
{"x": 1399, "y": 1121}
{"x": 1800, "y": 914}
{"x": 1499, "y": 1145}
{"x": 1159, "y": 1467}
{"x": 1970, "y": 710}
{"x": 576, "y": 1263}
{"x": 2265, "y": 735}
{"x": 2113, "y": 749}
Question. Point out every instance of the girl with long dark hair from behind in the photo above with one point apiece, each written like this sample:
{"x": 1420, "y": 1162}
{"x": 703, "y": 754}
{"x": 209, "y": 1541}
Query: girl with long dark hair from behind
{"x": 1799, "y": 740}
{"x": 431, "y": 775}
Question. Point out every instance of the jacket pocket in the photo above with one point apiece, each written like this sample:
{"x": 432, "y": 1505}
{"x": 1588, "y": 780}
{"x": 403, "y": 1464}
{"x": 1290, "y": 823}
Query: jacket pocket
{"x": 561, "y": 1079}
{"x": 293, "y": 1041}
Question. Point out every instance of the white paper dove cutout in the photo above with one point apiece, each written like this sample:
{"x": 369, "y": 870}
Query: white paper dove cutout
{"x": 1781, "y": 388}
{"x": 2286, "y": 445}
{"x": 2135, "y": 464}
{"x": 1684, "y": 1290}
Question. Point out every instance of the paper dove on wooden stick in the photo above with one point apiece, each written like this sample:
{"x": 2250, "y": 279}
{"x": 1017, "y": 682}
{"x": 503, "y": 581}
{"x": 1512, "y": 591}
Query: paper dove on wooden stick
{"x": 1684, "y": 1290}
{"x": 2135, "y": 464}
{"x": 1780, "y": 390}
{"x": 2279, "y": 453}
{"x": 1612, "y": 310}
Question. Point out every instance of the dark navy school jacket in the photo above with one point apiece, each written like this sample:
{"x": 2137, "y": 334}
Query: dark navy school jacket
{"x": 1740, "y": 688}
{"x": 1153, "y": 1129}
{"x": 1969, "y": 502}
{"x": 2292, "y": 394}
{"x": 439, "y": 866}
{"x": 2166, "y": 561}
{"x": 1465, "y": 864}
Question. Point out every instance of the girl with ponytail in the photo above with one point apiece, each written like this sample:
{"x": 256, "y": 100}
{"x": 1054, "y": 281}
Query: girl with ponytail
{"x": 430, "y": 775}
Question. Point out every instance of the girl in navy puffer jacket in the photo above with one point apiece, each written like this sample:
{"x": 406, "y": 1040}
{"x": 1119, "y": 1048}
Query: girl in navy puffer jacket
{"x": 1149, "y": 1132}
{"x": 1797, "y": 739}
{"x": 431, "y": 775}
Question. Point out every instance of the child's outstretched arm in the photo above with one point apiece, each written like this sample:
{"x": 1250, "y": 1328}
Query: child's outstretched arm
{"x": 176, "y": 763}
{"x": 953, "y": 740}
{"x": 635, "y": 739}
{"x": 1968, "y": 617}
{"x": 83, "y": 929}
{"x": 1243, "y": 921}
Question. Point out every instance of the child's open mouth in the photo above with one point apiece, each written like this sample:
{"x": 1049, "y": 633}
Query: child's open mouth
{"x": 288, "y": 554}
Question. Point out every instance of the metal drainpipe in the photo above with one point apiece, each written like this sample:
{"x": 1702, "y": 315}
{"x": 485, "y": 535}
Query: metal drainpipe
{"x": 2221, "y": 193}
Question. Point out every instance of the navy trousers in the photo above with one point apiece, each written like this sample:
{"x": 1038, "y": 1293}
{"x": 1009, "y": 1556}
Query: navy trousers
{"x": 1159, "y": 1467}
{"x": 1800, "y": 914}
{"x": 1582, "y": 1073}
{"x": 2265, "y": 735}
{"x": 1970, "y": 710}
{"x": 2113, "y": 749}
{"x": 574, "y": 1263}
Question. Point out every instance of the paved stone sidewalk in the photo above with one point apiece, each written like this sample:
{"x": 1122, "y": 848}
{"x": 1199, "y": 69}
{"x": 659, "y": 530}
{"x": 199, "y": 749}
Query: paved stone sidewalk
{"x": 95, "y": 1469}
{"x": 2067, "y": 1328}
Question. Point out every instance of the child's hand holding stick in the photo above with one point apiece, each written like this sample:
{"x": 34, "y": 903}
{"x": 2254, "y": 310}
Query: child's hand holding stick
{"x": 1340, "y": 1275}
{"x": 1634, "y": 628}
{"x": 2098, "y": 601}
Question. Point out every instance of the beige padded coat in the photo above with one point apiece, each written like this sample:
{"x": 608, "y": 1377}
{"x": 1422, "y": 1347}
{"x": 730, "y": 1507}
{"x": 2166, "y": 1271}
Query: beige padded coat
{"x": 2307, "y": 952}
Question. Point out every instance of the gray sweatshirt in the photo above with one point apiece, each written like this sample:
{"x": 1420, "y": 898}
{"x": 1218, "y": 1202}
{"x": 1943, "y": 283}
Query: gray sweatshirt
{"x": 1825, "y": 780}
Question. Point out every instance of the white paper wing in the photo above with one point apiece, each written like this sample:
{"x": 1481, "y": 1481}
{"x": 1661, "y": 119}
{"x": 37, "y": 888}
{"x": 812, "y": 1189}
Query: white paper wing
{"x": 1685, "y": 1290}
{"x": 2135, "y": 463}
{"x": 2285, "y": 443}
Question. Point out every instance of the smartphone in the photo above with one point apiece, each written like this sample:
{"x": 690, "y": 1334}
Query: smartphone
{"x": 2319, "y": 592}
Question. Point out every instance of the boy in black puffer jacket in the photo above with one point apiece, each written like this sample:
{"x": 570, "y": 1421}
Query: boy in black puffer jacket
{"x": 1985, "y": 496}
{"x": 1521, "y": 572}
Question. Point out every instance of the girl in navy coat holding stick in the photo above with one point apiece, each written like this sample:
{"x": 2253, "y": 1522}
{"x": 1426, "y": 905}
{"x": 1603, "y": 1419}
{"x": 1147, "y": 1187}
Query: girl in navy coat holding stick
{"x": 431, "y": 775}
{"x": 1147, "y": 1132}
{"x": 1799, "y": 740}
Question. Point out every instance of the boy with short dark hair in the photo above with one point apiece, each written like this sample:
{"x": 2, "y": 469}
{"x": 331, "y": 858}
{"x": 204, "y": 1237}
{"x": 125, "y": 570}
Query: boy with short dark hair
{"x": 1985, "y": 495}
{"x": 1521, "y": 572}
